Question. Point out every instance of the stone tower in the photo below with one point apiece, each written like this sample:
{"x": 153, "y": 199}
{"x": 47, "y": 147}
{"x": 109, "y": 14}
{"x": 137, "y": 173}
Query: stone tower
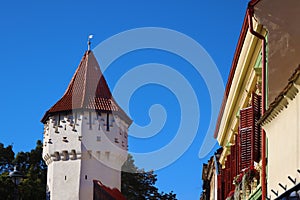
{"x": 85, "y": 136}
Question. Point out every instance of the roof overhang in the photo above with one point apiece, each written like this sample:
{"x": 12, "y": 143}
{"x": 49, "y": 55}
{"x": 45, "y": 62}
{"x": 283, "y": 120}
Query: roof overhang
{"x": 282, "y": 100}
{"x": 120, "y": 113}
{"x": 231, "y": 73}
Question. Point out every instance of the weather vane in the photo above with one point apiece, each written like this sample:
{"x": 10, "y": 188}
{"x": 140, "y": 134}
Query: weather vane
{"x": 89, "y": 42}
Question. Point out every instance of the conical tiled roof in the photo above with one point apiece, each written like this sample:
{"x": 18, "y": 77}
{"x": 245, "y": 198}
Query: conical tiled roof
{"x": 87, "y": 90}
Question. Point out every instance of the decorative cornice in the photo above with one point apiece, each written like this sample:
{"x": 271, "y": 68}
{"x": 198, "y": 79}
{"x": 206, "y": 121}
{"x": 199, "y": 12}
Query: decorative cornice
{"x": 282, "y": 100}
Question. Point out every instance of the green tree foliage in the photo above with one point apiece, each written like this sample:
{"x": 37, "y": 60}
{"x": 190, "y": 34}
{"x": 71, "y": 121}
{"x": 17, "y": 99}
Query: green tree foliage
{"x": 6, "y": 157}
{"x": 31, "y": 164}
{"x": 138, "y": 184}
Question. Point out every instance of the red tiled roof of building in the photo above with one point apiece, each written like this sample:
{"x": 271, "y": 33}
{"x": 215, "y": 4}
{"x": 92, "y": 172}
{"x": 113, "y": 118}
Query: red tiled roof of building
{"x": 88, "y": 89}
{"x": 103, "y": 192}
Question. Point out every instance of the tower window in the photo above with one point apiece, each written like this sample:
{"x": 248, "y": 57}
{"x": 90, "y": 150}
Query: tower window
{"x": 65, "y": 139}
{"x": 112, "y": 120}
{"x": 107, "y": 122}
{"x": 89, "y": 154}
{"x": 56, "y": 156}
{"x": 85, "y": 177}
{"x": 75, "y": 117}
{"x": 98, "y": 138}
{"x": 56, "y": 129}
{"x": 65, "y": 178}
{"x": 107, "y": 155}
{"x": 70, "y": 118}
{"x": 65, "y": 155}
{"x": 98, "y": 154}
{"x": 74, "y": 129}
{"x": 58, "y": 121}
{"x": 55, "y": 121}
{"x": 74, "y": 155}
{"x": 90, "y": 120}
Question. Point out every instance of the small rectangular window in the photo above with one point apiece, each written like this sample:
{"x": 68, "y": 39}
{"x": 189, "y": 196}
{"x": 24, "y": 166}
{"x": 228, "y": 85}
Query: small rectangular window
{"x": 107, "y": 122}
{"x": 98, "y": 154}
{"x": 65, "y": 155}
{"x": 56, "y": 156}
{"x": 89, "y": 154}
{"x": 98, "y": 138}
{"x": 74, "y": 155}
{"x": 107, "y": 155}
{"x": 90, "y": 120}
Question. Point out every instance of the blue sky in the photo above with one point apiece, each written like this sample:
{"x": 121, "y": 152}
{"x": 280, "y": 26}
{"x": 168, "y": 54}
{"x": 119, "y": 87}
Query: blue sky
{"x": 42, "y": 42}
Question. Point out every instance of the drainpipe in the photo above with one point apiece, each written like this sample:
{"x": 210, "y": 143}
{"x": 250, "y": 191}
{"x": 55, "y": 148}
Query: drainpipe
{"x": 250, "y": 12}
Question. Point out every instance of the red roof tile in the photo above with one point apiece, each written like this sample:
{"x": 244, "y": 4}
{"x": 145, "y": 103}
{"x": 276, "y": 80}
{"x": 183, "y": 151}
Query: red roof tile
{"x": 88, "y": 89}
{"x": 103, "y": 192}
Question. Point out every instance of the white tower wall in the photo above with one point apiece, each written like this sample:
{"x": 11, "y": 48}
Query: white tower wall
{"x": 80, "y": 147}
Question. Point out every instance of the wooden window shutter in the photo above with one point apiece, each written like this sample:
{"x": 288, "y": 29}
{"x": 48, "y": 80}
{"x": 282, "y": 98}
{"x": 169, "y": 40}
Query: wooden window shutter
{"x": 233, "y": 166}
{"x": 239, "y": 152}
{"x": 250, "y": 133}
{"x": 220, "y": 189}
{"x": 233, "y": 161}
{"x": 256, "y": 104}
{"x": 235, "y": 156}
{"x": 229, "y": 183}
{"x": 229, "y": 174}
{"x": 223, "y": 190}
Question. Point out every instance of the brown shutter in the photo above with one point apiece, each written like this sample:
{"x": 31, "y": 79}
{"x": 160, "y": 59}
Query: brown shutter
{"x": 228, "y": 185}
{"x": 219, "y": 191}
{"x": 233, "y": 160}
{"x": 256, "y": 105}
{"x": 238, "y": 152}
{"x": 250, "y": 133}
{"x": 229, "y": 172}
{"x": 235, "y": 155}
{"x": 233, "y": 165}
{"x": 225, "y": 178}
{"x": 231, "y": 168}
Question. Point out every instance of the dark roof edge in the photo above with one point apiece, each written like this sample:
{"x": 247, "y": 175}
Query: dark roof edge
{"x": 237, "y": 53}
{"x": 120, "y": 113}
{"x": 285, "y": 193}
